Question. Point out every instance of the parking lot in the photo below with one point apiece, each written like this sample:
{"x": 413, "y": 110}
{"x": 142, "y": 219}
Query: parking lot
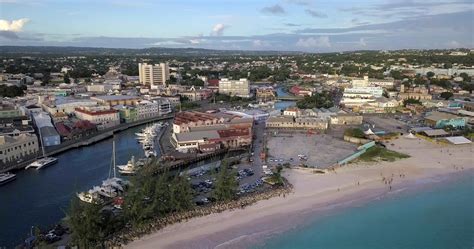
{"x": 387, "y": 123}
{"x": 297, "y": 148}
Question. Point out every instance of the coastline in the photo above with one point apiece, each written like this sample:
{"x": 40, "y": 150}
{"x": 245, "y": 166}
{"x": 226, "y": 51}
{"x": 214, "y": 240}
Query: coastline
{"x": 313, "y": 193}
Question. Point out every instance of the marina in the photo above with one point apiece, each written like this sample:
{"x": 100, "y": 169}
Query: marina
{"x": 77, "y": 170}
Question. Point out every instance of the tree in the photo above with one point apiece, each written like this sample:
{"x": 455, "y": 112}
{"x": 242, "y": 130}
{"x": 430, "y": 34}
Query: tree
{"x": 446, "y": 95}
{"x": 430, "y": 74}
{"x": 317, "y": 100}
{"x": 412, "y": 102}
{"x": 465, "y": 77}
{"x": 87, "y": 224}
{"x": 226, "y": 184}
{"x": 66, "y": 79}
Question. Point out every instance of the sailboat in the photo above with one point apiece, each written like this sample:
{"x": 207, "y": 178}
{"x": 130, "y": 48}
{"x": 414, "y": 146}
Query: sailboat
{"x": 43, "y": 161}
{"x": 110, "y": 188}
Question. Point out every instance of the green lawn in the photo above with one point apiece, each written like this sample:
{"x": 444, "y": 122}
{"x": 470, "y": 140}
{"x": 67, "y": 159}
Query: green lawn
{"x": 378, "y": 153}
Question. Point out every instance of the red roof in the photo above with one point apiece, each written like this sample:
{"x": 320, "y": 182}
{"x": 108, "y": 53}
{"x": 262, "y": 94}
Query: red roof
{"x": 213, "y": 82}
{"x": 233, "y": 133}
{"x": 62, "y": 129}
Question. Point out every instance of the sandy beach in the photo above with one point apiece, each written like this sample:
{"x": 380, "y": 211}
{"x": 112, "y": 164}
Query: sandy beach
{"x": 313, "y": 193}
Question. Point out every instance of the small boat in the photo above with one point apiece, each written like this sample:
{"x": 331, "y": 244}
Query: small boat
{"x": 130, "y": 168}
{"x": 42, "y": 163}
{"x": 6, "y": 178}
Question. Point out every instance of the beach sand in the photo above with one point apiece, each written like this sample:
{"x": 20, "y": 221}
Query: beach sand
{"x": 315, "y": 192}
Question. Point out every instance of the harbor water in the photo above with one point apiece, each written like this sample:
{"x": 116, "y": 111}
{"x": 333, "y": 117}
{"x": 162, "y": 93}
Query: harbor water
{"x": 438, "y": 216}
{"x": 41, "y": 198}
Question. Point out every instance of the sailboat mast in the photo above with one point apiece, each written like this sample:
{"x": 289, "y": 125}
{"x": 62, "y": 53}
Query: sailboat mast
{"x": 113, "y": 155}
{"x": 41, "y": 140}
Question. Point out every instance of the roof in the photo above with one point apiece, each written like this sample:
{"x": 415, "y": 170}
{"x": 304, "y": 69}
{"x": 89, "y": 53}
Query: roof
{"x": 435, "y": 132}
{"x": 420, "y": 129}
{"x": 233, "y": 133}
{"x": 280, "y": 119}
{"x": 48, "y": 131}
{"x": 96, "y": 113}
{"x": 196, "y": 135}
{"x": 115, "y": 97}
{"x": 437, "y": 116}
{"x": 458, "y": 140}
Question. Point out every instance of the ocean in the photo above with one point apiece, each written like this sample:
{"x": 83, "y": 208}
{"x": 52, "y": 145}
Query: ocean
{"x": 436, "y": 215}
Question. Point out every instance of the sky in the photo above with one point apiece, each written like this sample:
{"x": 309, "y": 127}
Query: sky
{"x": 283, "y": 25}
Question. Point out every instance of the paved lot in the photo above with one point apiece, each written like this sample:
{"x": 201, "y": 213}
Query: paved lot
{"x": 322, "y": 150}
{"x": 386, "y": 123}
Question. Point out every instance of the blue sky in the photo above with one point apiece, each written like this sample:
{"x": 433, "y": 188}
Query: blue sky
{"x": 303, "y": 25}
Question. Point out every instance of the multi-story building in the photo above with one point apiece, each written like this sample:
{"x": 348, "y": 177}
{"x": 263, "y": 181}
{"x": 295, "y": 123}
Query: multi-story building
{"x": 288, "y": 122}
{"x": 419, "y": 92}
{"x": 265, "y": 94}
{"x": 153, "y": 75}
{"x": 102, "y": 116}
{"x": 14, "y": 148}
{"x": 239, "y": 88}
{"x": 53, "y": 104}
{"x": 150, "y": 109}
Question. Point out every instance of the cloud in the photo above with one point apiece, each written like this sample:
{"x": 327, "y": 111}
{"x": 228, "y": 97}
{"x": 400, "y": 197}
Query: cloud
{"x": 315, "y": 13}
{"x": 274, "y": 9}
{"x": 13, "y": 26}
{"x": 300, "y": 2}
{"x": 362, "y": 42}
{"x": 291, "y": 24}
{"x": 218, "y": 29}
{"x": 314, "y": 42}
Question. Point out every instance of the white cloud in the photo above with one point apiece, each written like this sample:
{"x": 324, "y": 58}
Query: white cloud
{"x": 454, "y": 44}
{"x": 314, "y": 42}
{"x": 218, "y": 29}
{"x": 14, "y": 26}
{"x": 362, "y": 42}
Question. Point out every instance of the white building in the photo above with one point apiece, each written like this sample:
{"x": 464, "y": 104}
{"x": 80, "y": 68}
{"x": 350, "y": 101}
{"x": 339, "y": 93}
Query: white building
{"x": 149, "y": 109}
{"x": 102, "y": 116}
{"x": 239, "y": 88}
{"x": 153, "y": 75}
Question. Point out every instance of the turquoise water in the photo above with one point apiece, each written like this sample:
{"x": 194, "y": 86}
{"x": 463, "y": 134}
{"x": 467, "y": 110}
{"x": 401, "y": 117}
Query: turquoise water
{"x": 438, "y": 216}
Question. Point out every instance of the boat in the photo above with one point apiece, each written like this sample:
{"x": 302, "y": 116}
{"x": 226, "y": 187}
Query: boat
{"x": 43, "y": 161}
{"x": 130, "y": 168}
{"x": 6, "y": 178}
{"x": 110, "y": 187}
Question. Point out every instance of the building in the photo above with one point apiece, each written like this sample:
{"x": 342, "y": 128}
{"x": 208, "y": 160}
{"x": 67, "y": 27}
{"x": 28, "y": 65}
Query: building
{"x": 442, "y": 120}
{"x": 238, "y": 88}
{"x": 346, "y": 119}
{"x": 53, "y": 104}
{"x": 153, "y": 75}
{"x": 419, "y": 92}
{"x": 9, "y": 111}
{"x": 289, "y": 122}
{"x": 149, "y": 109}
{"x": 13, "y": 149}
{"x": 299, "y": 91}
{"x": 49, "y": 135}
{"x": 265, "y": 94}
{"x": 292, "y": 111}
{"x": 183, "y": 121}
{"x": 112, "y": 100}
{"x": 102, "y": 116}
{"x": 360, "y": 93}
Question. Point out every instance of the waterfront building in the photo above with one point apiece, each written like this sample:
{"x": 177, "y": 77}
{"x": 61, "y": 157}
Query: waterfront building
{"x": 49, "y": 135}
{"x": 299, "y": 91}
{"x": 102, "y": 116}
{"x": 292, "y": 111}
{"x": 265, "y": 94}
{"x": 238, "y": 88}
{"x": 184, "y": 120}
{"x": 15, "y": 126}
{"x": 442, "y": 120}
{"x": 155, "y": 108}
{"x": 15, "y": 148}
{"x": 153, "y": 75}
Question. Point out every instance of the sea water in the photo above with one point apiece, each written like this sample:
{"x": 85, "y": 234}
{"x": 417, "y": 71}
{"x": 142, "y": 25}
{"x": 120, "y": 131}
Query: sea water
{"x": 440, "y": 216}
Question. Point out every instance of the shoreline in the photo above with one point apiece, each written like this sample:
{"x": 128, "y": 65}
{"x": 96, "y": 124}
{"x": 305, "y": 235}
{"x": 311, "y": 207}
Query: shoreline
{"x": 318, "y": 194}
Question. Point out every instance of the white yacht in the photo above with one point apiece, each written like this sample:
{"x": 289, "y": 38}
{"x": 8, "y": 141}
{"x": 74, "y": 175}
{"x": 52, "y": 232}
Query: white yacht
{"x": 44, "y": 161}
{"x": 6, "y": 178}
{"x": 110, "y": 188}
{"x": 130, "y": 168}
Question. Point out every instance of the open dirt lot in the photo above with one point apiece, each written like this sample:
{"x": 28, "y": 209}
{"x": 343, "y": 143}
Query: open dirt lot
{"x": 322, "y": 150}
